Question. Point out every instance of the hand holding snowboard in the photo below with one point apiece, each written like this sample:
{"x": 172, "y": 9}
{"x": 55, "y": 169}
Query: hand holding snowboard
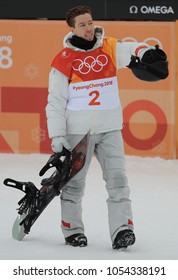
{"x": 67, "y": 165}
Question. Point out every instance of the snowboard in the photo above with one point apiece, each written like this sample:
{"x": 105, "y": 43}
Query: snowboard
{"x": 67, "y": 164}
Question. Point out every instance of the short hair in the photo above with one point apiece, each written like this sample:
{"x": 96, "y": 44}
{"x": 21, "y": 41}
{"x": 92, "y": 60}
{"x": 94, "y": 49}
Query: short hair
{"x": 76, "y": 11}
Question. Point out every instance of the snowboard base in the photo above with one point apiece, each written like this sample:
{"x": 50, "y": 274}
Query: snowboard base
{"x": 67, "y": 165}
{"x": 17, "y": 230}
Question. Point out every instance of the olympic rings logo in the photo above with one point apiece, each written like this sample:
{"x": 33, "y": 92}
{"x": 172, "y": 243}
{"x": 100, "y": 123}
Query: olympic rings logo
{"x": 90, "y": 63}
{"x": 161, "y": 125}
{"x": 152, "y": 40}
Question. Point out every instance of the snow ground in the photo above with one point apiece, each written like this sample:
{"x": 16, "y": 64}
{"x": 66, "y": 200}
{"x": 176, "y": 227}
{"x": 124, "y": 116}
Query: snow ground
{"x": 154, "y": 194}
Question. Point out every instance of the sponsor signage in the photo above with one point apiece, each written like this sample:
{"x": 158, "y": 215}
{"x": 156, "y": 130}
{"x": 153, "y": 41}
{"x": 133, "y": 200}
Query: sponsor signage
{"x": 161, "y": 10}
{"x": 26, "y": 52}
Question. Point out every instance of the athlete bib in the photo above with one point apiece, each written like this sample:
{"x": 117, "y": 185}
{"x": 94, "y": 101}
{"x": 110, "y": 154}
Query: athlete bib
{"x": 99, "y": 94}
{"x": 92, "y": 76}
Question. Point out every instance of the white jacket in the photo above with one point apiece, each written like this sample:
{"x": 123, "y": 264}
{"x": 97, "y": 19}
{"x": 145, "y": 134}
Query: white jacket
{"x": 61, "y": 120}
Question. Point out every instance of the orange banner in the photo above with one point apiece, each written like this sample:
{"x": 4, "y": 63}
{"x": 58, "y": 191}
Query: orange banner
{"x": 26, "y": 50}
{"x": 176, "y": 100}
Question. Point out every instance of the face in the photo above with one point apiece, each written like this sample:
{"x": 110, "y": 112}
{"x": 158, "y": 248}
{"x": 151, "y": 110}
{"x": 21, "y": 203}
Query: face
{"x": 84, "y": 27}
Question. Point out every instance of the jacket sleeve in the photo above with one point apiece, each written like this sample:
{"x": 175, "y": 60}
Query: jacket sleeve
{"x": 57, "y": 103}
{"x": 124, "y": 51}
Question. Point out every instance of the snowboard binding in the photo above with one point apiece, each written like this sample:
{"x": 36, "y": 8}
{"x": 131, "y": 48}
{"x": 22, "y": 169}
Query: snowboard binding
{"x": 67, "y": 164}
{"x": 34, "y": 200}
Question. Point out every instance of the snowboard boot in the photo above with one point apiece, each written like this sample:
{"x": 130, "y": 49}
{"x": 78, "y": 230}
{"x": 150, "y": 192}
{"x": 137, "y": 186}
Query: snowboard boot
{"x": 76, "y": 240}
{"x": 124, "y": 239}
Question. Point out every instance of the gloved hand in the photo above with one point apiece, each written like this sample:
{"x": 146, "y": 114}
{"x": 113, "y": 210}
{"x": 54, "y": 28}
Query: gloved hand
{"x": 153, "y": 55}
{"x": 58, "y": 143}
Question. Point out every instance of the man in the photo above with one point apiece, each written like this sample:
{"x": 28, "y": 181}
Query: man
{"x": 83, "y": 96}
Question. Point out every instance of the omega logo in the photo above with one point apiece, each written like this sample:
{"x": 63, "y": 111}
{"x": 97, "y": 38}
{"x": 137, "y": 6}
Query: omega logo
{"x": 133, "y": 10}
{"x": 151, "y": 10}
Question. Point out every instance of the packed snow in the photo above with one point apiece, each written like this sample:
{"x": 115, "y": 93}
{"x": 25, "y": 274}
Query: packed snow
{"x": 154, "y": 194}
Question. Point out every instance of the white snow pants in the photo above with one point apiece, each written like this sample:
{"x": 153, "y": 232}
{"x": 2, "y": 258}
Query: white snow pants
{"x": 108, "y": 149}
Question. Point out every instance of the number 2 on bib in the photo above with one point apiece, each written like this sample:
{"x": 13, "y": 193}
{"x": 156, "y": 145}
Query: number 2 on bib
{"x": 94, "y": 101}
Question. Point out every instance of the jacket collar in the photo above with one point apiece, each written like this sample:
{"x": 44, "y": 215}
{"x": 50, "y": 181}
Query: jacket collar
{"x": 99, "y": 33}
